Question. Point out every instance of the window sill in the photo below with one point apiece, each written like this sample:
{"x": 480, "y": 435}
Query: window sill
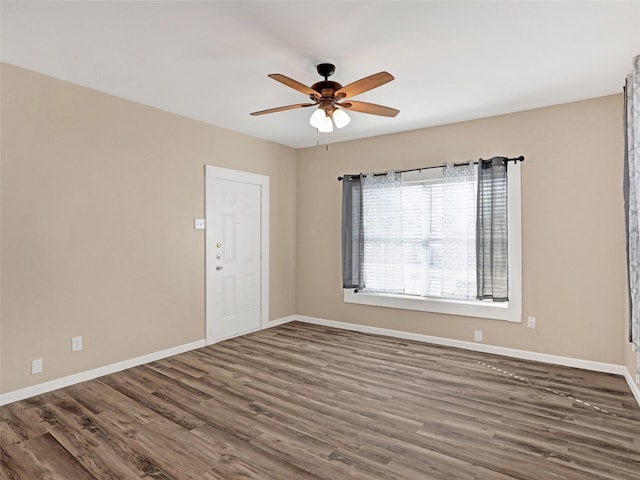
{"x": 510, "y": 311}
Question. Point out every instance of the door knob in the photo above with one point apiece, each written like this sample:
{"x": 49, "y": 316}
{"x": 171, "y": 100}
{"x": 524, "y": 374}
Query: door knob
{"x": 219, "y": 267}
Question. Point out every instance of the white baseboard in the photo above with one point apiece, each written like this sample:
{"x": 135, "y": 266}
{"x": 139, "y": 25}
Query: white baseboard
{"x": 632, "y": 385}
{"x": 479, "y": 347}
{"x": 49, "y": 386}
{"x": 281, "y": 321}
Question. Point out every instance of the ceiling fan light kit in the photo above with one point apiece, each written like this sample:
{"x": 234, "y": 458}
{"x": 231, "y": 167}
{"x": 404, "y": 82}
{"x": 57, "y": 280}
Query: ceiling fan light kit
{"x": 321, "y": 120}
{"x": 328, "y": 96}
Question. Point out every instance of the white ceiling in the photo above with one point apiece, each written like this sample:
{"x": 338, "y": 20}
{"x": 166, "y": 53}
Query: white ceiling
{"x": 207, "y": 60}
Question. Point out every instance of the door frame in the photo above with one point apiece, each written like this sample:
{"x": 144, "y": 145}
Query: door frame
{"x": 253, "y": 179}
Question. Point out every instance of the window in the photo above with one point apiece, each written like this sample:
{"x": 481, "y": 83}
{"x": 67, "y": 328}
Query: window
{"x": 419, "y": 250}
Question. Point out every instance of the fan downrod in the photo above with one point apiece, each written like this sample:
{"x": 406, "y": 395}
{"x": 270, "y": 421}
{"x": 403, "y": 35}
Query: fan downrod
{"x": 326, "y": 69}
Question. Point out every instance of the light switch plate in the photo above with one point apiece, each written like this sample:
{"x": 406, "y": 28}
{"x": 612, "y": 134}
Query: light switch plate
{"x": 200, "y": 224}
{"x": 76, "y": 344}
{"x": 36, "y": 366}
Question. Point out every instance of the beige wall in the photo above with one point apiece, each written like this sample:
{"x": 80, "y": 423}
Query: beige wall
{"x": 98, "y": 200}
{"x": 572, "y": 214}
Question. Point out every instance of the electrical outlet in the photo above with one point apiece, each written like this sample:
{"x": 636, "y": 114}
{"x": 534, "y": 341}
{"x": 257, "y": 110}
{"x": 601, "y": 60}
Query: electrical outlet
{"x": 76, "y": 344}
{"x": 531, "y": 322}
{"x": 36, "y": 366}
{"x": 478, "y": 336}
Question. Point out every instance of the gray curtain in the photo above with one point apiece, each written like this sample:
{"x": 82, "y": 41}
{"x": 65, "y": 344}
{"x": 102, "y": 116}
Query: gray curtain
{"x": 352, "y": 233}
{"x": 492, "y": 262}
{"x": 626, "y": 196}
{"x": 631, "y": 190}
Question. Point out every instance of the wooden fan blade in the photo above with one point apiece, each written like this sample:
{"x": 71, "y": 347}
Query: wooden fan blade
{"x": 281, "y": 109}
{"x": 371, "y": 108}
{"x": 290, "y": 82}
{"x": 364, "y": 85}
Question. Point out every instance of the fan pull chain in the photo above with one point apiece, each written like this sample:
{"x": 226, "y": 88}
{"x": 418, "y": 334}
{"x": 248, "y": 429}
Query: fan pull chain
{"x": 326, "y": 145}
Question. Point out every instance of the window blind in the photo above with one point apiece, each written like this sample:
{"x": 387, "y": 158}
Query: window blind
{"x": 419, "y": 238}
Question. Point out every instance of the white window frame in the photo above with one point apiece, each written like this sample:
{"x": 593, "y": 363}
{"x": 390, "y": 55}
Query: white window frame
{"x": 510, "y": 311}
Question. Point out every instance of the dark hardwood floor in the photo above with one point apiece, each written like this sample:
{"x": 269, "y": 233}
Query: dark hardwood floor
{"x": 306, "y": 402}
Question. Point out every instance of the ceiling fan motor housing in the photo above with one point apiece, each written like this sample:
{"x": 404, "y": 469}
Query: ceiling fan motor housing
{"x": 326, "y": 88}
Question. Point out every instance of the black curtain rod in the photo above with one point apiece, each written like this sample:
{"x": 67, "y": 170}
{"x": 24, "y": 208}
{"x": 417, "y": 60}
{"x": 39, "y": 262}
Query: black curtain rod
{"x": 514, "y": 160}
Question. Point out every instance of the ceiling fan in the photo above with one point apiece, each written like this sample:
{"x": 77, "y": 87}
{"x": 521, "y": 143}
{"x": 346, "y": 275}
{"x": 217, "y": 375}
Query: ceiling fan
{"x": 329, "y": 97}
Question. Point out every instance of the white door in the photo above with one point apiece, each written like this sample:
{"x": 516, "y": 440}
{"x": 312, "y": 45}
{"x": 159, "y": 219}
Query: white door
{"x": 237, "y": 261}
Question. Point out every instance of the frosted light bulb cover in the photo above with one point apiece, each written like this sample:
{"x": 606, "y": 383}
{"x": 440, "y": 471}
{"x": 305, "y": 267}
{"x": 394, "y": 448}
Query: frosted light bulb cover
{"x": 340, "y": 118}
{"x": 317, "y": 118}
{"x": 326, "y": 126}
